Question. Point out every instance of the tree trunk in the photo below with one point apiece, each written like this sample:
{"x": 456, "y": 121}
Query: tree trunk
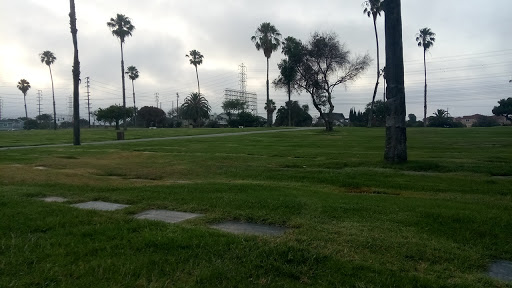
{"x": 134, "y": 107}
{"x": 124, "y": 92}
{"x": 289, "y": 104}
{"x": 197, "y": 76}
{"x": 330, "y": 126}
{"x": 269, "y": 113}
{"x": 25, "y": 101}
{"x": 53, "y": 94}
{"x": 396, "y": 134}
{"x": 425, "y": 93}
{"x": 370, "y": 117}
{"x": 76, "y": 76}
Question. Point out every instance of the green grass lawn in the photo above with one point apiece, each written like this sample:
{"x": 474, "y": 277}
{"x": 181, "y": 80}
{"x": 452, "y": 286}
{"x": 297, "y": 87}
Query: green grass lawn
{"x": 355, "y": 221}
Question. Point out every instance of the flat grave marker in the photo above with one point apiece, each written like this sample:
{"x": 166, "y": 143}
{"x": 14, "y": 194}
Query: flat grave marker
{"x": 54, "y": 199}
{"x": 501, "y": 270}
{"x": 250, "y": 228}
{"x": 166, "y": 215}
{"x": 100, "y": 205}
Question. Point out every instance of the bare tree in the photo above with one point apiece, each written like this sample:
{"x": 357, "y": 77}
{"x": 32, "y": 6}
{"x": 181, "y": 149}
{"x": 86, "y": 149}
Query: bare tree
{"x": 326, "y": 64}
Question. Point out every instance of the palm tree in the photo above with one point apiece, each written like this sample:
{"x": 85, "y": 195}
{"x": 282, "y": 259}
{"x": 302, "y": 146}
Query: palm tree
{"x": 425, "y": 39}
{"x": 288, "y": 68}
{"x": 76, "y": 74}
{"x": 270, "y": 106}
{"x": 48, "y": 58}
{"x": 373, "y": 8}
{"x": 268, "y": 39}
{"x": 395, "y": 150}
{"x": 121, "y": 27}
{"x": 24, "y": 86}
{"x": 133, "y": 74}
{"x": 195, "y": 107}
{"x": 288, "y": 74}
{"x": 196, "y": 59}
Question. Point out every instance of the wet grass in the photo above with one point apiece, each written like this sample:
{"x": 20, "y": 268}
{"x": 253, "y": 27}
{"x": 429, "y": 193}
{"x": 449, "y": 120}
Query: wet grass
{"x": 355, "y": 221}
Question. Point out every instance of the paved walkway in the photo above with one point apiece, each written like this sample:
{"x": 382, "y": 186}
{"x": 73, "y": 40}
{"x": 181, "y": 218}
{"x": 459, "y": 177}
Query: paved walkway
{"x": 164, "y": 138}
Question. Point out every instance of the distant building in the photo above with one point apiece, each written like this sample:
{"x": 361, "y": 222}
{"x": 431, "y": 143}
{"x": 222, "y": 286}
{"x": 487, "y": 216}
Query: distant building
{"x": 11, "y": 124}
{"x": 472, "y": 119}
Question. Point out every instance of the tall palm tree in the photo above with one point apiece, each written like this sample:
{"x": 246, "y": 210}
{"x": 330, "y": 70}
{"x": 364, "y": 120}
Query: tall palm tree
{"x": 292, "y": 49}
{"x": 288, "y": 74}
{"x": 425, "y": 39}
{"x": 195, "y": 107}
{"x": 396, "y": 130}
{"x": 24, "y": 86}
{"x": 76, "y": 74}
{"x": 268, "y": 39}
{"x": 373, "y": 8}
{"x": 196, "y": 59}
{"x": 133, "y": 74}
{"x": 48, "y": 58}
{"x": 121, "y": 27}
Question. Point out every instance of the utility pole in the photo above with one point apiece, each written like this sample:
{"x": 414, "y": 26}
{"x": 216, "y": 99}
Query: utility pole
{"x": 88, "y": 85}
{"x": 157, "y": 99}
{"x": 39, "y": 98}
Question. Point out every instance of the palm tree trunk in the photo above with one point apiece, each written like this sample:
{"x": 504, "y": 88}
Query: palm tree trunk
{"x": 197, "y": 76}
{"x": 124, "y": 92}
{"x": 76, "y": 76}
{"x": 289, "y": 104}
{"x": 269, "y": 113}
{"x": 134, "y": 107}
{"x": 370, "y": 117}
{"x": 25, "y": 100}
{"x": 396, "y": 131}
{"x": 53, "y": 94}
{"x": 425, "y": 93}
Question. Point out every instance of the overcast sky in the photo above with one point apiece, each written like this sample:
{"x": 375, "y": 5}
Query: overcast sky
{"x": 469, "y": 67}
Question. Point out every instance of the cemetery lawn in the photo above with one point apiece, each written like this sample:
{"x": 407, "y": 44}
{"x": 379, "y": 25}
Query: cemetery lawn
{"x": 354, "y": 221}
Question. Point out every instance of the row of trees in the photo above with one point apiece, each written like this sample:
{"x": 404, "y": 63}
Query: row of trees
{"x": 195, "y": 109}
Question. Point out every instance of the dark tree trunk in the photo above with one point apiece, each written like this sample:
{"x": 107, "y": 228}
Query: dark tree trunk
{"x": 425, "y": 93}
{"x": 76, "y": 76}
{"x": 327, "y": 123}
{"x": 289, "y": 104}
{"x": 370, "y": 117}
{"x": 25, "y": 101}
{"x": 124, "y": 92}
{"x": 197, "y": 76}
{"x": 396, "y": 136}
{"x": 269, "y": 109}
{"x": 134, "y": 107}
{"x": 53, "y": 94}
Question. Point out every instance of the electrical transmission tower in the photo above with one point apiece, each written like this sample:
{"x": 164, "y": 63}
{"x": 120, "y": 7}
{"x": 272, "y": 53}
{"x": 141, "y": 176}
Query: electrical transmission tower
{"x": 250, "y": 99}
{"x": 243, "y": 77}
{"x": 1, "y": 106}
{"x": 39, "y": 98}
{"x": 157, "y": 99}
{"x": 88, "y": 85}
{"x": 70, "y": 108}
